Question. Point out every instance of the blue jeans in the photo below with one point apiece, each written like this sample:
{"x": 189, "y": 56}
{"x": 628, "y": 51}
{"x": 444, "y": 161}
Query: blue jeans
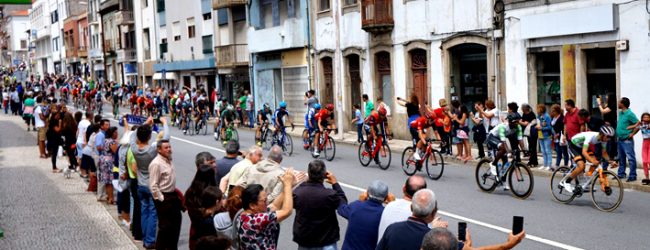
{"x": 626, "y": 152}
{"x": 360, "y": 133}
{"x": 149, "y": 218}
{"x": 251, "y": 118}
{"x": 546, "y": 151}
{"x": 561, "y": 152}
{"x": 328, "y": 247}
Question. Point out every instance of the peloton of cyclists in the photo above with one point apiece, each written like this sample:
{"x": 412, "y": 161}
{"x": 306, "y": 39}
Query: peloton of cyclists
{"x": 310, "y": 123}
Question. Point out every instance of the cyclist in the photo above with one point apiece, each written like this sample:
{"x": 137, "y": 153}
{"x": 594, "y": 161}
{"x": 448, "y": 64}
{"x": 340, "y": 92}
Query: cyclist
{"x": 419, "y": 133}
{"x": 228, "y": 116}
{"x": 262, "y": 121}
{"x": 372, "y": 123}
{"x": 497, "y": 137}
{"x": 278, "y": 117}
{"x": 172, "y": 107}
{"x": 580, "y": 148}
{"x": 186, "y": 112}
{"x": 310, "y": 123}
{"x": 201, "y": 110}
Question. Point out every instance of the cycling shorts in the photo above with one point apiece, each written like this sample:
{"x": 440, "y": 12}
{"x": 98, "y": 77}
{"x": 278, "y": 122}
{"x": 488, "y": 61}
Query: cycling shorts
{"x": 577, "y": 151}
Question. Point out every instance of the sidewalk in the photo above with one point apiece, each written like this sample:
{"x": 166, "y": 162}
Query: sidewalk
{"x": 42, "y": 210}
{"x": 397, "y": 146}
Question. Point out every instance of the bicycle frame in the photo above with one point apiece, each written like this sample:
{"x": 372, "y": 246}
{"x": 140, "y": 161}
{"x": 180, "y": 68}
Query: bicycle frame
{"x": 326, "y": 136}
{"x": 592, "y": 177}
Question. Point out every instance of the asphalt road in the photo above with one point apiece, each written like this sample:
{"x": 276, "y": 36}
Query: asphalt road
{"x": 549, "y": 224}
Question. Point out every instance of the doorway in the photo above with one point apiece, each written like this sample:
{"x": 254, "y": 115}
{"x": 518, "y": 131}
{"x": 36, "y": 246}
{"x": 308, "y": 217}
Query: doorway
{"x": 327, "y": 86}
{"x": 601, "y": 76}
{"x": 469, "y": 73}
{"x": 354, "y": 70}
{"x": 385, "y": 86}
{"x": 419, "y": 71}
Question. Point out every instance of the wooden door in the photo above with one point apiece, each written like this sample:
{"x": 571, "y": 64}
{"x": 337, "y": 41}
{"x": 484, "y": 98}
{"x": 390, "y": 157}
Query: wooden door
{"x": 419, "y": 72}
{"x": 327, "y": 85}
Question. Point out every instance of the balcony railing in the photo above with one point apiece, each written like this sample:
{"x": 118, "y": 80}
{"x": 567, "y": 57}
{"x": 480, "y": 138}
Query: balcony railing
{"x": 377, "y": 16}
{"x": 127, "y": 55}
{"x": 218, "y": 4}
{"x": 108, "y": 46}
{"x": 124, "y": 17}
{"x": 233, "y": 55}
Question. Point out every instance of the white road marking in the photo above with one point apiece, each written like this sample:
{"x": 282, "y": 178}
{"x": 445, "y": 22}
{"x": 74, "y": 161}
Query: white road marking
{"x": 442, "y": 212}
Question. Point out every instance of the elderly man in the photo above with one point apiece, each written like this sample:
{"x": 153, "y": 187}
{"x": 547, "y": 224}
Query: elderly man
{"x": 266, "y": 173}
{"x": 162, "y": 183}
{"x": 253, "y": 156}
{"x": 400, "y": 209}
{"x": 363, "y": 217}
{"x": 227, "y": 162}
{"x": 408, "y": 235}
{"x": 315, "y": 225}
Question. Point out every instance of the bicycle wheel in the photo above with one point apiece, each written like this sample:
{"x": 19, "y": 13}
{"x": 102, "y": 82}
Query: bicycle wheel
{"x": 267, "y": 140}
{"x": 288, "y": 144}
{"x": 521, "y": 180}
{"x": 384, "y": 157}
{"x": 364, "y": 155}
{"x": 191, "y": 127}
{"x": 204, "y": 127}
{"x": 435, "y": 165}
{"x": 235, "y": 135}
{"x": 484, "y": 179}
{"x": 409, "y": 165}
{"x": 609, "y": 195}
{"x": 558, "y": 191}
{"x": 329, "y": 149}
{"x": 217, "y": 137}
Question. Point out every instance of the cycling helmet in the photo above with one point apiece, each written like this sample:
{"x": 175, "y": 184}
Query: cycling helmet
{"x": 607, "y": 131}
{"x": 230, "y": 107}
{"x": 330, "y": 107}
{"x": 382, "y": 111}
{"x": 283, "y": 105}
{"x": 316, "y": 106}
{"x": 266, "y": 106}
{"x": 513, "y": 117}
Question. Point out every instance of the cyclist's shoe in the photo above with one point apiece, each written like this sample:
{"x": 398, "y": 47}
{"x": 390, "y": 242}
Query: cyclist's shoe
{"x": 493, "y": 169}
{"x": 215, "y": 135}
{"x": 259, "y": 143}
{"x": 184, "y": 131}
{"x": 305, "y": 146}
{"x": 417, "y": 156}
{"x": 316, "y": 153}
{"x": 567, "y": 186}
{"x": 505, "y": 186}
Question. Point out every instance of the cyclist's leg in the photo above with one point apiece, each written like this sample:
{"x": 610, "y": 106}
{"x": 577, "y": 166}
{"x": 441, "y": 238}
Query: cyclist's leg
{"x": 579, "y": 159}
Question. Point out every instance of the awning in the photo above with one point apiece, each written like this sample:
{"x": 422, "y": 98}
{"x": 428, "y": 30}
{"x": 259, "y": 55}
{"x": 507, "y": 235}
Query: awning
{"x": 168, "y": 76}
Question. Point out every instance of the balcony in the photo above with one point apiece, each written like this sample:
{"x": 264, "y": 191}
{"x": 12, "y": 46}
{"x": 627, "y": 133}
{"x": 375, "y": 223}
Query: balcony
{"x": 230, "y": 56}
{"x": 124, "y": 17}
{"x": 82, "y": 52}
{"x": 377, "y": 16}
{"x": 127, "y": 55}
{"x": 218, "y": 4}
{"x": 109, "y": 46}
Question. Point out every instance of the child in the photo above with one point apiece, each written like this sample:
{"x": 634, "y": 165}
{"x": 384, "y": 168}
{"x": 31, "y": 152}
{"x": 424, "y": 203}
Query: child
{"x": 644, "y": 126}
{"x": 358, "y": 121}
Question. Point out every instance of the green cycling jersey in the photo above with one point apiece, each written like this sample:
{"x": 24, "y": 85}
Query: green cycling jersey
{"x": 584, "y": 139}
{"x": 503, "y": 131}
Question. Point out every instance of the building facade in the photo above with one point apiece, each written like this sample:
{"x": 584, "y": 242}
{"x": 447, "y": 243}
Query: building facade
{"x": 95, "y": 51}
{"x": 185, "y": 37}
{"x": 17, "y": 32}
{"x": 42, "y": 41}
{"x": 231, "y": 47}
{"x": 145, "y": 37}
{"x": 278, "y": 40}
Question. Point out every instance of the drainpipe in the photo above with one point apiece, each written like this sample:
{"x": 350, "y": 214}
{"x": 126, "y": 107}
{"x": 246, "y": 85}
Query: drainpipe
{"x": 310, "y": 64}
{"x": 337, "y": 80}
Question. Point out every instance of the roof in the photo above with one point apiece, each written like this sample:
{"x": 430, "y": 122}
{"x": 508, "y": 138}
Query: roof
{"x": 19, "y": 13}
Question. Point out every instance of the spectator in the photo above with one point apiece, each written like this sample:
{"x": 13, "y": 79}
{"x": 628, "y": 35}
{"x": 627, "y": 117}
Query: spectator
{"x": 369, "y": 106}
{"x": 442, "y": 239}
{"x": 90, "y": 157}
{"x": 412, "y": 108}
{"x": 400, "y": 209}
{"x": 143, "y": 154}
{"x": 223, "y": 222}
{"x": 100, "y": 137}
{"x": 213, "y": 242}
{"x": 124, "y": 196}
{"x": 39, "y": 123}
{"x": 607, "y": 109}
{"x": 69, "y": 133}
{"x": 266, "y": 173}
{"x": 559, "y": 142}
{"x": 443, "y": 125}
{"x": 644, "y": 127}
{"x": 28, "y": 112}
{"x": 627, "y": 121}
{"x": 259, "y": 223}
{"x": 572, "y": 122}
{"x": 106, "y": 162}
{"x": 315, "y": 224}
{"x": 53, "y": 136}
{"x": 203, "y": 178}
{"x": 253, "y": 156}
{"x": 408, "y": 234}
{"x": 358, "y": 122}
{"x": 166, "y": 199}
{"x": 546, "y": 135}
{"x": 82, "y": 126}
{"x": 310, "y": 98}
{"x": 250, "y": 109}
{"x": 529, "y": 123}
{"x": 241, "y": 107}
{"x": 210, "y": 205}
{"x": 462, "y": 133}
{"x": 363, "y": 217}
{"x": 228, "y": 161}
{"x": 5, "y": 100}
{"x": 479, "y": 129}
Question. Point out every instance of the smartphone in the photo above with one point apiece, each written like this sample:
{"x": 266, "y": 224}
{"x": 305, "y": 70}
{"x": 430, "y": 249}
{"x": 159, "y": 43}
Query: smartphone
{"x": 156, "y": 121}
{"x": 517, "y": 224}
{"x": 462, "y": 229}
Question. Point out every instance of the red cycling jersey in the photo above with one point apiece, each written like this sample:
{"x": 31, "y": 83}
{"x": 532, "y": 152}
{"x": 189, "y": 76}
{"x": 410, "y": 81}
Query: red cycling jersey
{"x": 420, "y": 123}
{"x": 373, "y": 119}
{"x": 322, "y": 115}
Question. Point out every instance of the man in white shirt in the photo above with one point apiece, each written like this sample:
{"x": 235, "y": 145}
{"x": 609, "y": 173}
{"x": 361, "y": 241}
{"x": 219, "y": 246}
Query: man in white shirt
{"x": 400, "y": 209}
{"x": 39, "y": 124}
{"x": 81, "y": 137}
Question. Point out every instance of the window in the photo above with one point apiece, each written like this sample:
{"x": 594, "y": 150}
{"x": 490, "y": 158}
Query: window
{"x": 349, "y": 2}
{"x": 548, "y": 78}
{"x": 207, "y": 44}
{"x": 238, "y": 13}
{"x": 54, "y": 16}
{"x": 23, "y": 44}
{"x": 207, "y": 16}
{"x": 145, "y": 3}
{"x": 161, "y": 5}
{"x": 55, "y": 44}
{"x": 222, "y": 15}
{"x": 191, "y": 29}
{"x": 176, "y": 31}
{"x": 323, "y": 5}
{"x": 267, "y": 16}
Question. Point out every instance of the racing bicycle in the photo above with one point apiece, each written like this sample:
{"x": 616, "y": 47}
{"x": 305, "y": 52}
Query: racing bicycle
{"x": 282, "y": 139}
{"x": 518, "y": 175}
{"x": 379, "y": 151}
{"x": 325, "y": 145}
{"x": 605, "y": 187}
{"x": 433, "y": 160}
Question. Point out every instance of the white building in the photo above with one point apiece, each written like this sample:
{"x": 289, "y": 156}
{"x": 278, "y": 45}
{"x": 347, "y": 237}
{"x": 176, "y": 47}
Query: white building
{"x": 40, "y": 22}
{"x": 386, "y": 49}
{"x": 58, "y": 13}
{"x": 578, "y": 50}
{"x": 185, "y": 32}
{"x": 96, "y": 52}
{"x": 18, "y": 32}
{"x": 145, "y": 37}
